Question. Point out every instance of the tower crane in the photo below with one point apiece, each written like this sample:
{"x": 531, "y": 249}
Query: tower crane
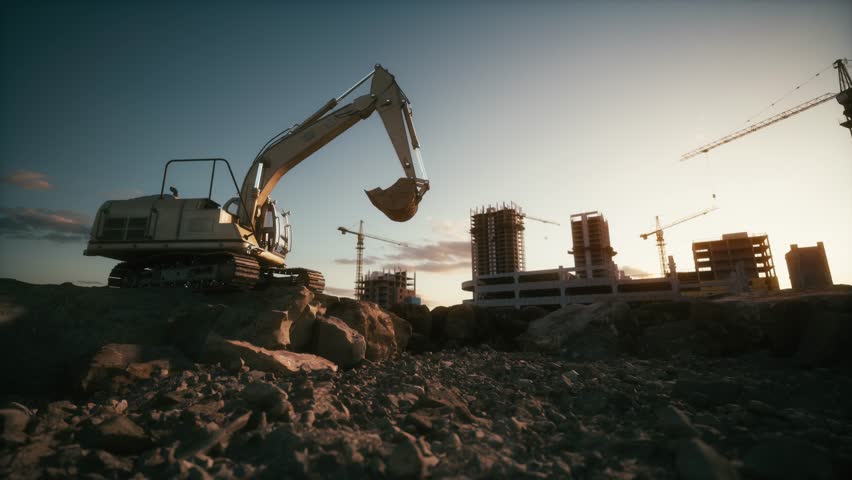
{"x": 661, "y": 243}
{"x": 359, "y": 257}
{"x": 539, "y": 219}
{"x": 844, "y": 98}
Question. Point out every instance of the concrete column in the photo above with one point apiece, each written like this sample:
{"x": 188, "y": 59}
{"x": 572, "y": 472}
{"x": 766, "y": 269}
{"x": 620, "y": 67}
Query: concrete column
{"x": 673, "y": 277}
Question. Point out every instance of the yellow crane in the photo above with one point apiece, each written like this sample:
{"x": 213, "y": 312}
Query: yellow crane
{"x": 661, "y": 243}
{"x": 359, "y": 254}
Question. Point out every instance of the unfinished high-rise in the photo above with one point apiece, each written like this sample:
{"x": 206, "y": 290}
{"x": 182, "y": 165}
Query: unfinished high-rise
{"x": 497, "y": 239}
{"x": 592, "y": 249}
{"x": 808, "y": 267}
{"x": 737, "y": 255}
{"x": 389, "y": 288}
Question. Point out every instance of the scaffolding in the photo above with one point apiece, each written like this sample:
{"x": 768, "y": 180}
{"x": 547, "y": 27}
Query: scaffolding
{"x": 592, "y": 249}
{"x": 497, "y": 239}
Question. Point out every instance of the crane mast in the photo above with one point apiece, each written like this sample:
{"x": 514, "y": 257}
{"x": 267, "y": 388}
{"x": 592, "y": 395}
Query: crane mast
{"x": 661, "y": 243}
{"x": 359, "y": 254}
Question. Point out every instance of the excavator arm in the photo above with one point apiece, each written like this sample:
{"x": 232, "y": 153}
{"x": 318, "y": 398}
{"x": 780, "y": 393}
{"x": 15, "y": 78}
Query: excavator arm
{"x": 281, "y": 154}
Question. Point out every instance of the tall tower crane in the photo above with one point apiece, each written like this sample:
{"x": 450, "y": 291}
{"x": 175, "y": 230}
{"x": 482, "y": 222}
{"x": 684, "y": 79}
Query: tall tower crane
{"x": 359, "y": 257}
{"x": 844, "y": 98}
{"x": 661, "y": 243}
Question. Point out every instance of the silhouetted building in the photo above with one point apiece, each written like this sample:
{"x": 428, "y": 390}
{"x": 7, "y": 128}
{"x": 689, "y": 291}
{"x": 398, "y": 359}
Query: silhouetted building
{"x": 808, "y": 267}
{"x": 497, "y": 240}
{"x": 737, "y": 256}
{"x": 592, "y": 250}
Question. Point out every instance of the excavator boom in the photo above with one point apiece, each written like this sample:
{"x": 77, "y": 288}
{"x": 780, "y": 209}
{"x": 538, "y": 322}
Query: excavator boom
{"x": 398, "y": 202}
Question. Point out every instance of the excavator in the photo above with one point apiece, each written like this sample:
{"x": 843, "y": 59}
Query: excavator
{"x": 168, "y": 241}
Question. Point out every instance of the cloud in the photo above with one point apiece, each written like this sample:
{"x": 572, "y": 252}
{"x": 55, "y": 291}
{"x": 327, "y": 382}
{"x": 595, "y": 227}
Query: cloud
{"x": 368, "y": 260}
{"x": 452, "y": 229}
{"x": 61, "y": 226}
{"x": 436, "y": 257}
{"x": 440, "y": 252}
{"x": 340, "y": 292}
{"x": 27, "y": 180}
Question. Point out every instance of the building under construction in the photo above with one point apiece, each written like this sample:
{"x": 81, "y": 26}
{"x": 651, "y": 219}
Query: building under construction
{"x": 738, "y": 256}
{"x": 808, "y": 267}
{"x": 736, "y": 263}
{"x": 592, "y": 249}
{"x": 389, "y": 288}
{"x": 497, "y": 239}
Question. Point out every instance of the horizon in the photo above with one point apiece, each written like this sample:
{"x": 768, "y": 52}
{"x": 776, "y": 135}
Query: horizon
{"x": 560, "y": 108}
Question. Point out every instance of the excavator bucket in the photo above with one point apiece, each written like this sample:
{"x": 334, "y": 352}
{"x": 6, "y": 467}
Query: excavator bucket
{"x": 399, "y": 201}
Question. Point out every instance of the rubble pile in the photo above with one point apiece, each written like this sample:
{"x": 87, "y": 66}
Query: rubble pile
{"x": 288, "y": 384}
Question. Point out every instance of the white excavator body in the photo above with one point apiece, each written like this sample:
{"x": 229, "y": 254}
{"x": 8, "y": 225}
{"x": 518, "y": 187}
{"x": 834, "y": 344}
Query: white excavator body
{"x": 164, "y": 240}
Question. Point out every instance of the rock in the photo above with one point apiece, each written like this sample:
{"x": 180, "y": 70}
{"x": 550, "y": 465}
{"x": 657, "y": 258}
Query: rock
{"x": 99, "y": 461}
{"x": 417, "y": 315}
{"x": 339, "y": 343}
{"x": 118, "y": 434}
{"x": 410, "y": 458}
{"x": 562, "y": 328}
{"x": 373, "y": 323}
{"x": 531, "y": 314}
{"x": 827, "y": 339}
{"x": 782, "y": 458}
{"x": 698, "y": 461}
{"x": 461, "y": 322}
{"x": 278, "y": 362}
{"x": 13, "y": 424}
{"x": 272, "y": 329}
{"x": 418, "y": 343}
{"x": 115, "y": 365}
{"x": 673, "y": 421}
{"x": 439, "y": 324}
{"x": 726, "y": 327}
{"x": 263, "y": 395}
{"x": 297, "y": 302}
{"x": 510, "y": 322}
{"x": 402, "y": 332}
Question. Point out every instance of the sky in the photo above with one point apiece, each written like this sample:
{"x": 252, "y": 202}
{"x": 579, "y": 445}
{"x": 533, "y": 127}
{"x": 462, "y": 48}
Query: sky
{"x": 561, "y": 107}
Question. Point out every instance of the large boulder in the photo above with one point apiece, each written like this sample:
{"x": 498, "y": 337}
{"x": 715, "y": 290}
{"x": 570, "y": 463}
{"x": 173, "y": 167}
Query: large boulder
{"x": 275, "y": 318}
{"x": 402, "y": 332}
{"x": 418, "y": 316}
{"x": 461, "y": 322}
{"x": 375, "y": 324}
{"x": 439, "y": 323}
{"x": 726, "y": 327}
{"x": 815, "y": 329}
{"x": 338, "y": 342}
{"x": 281, "y": 362}
{"x": 582, "y": 330}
